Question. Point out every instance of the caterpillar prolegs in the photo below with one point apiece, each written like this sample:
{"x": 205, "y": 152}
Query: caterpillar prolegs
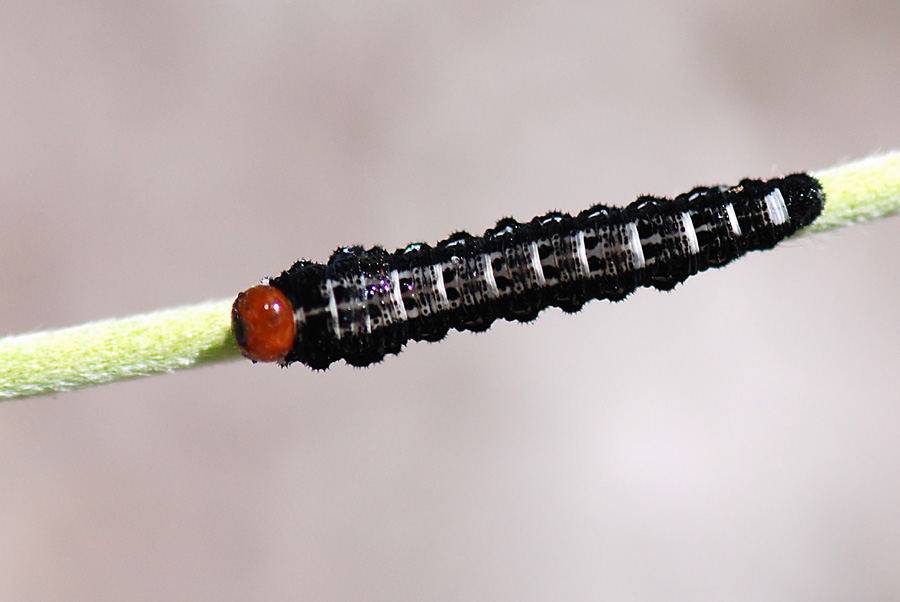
{"x": 364, "y": 304}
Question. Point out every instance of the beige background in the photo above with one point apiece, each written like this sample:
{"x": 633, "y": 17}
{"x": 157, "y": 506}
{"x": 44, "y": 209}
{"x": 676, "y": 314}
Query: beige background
{"x": 734, "y": 440}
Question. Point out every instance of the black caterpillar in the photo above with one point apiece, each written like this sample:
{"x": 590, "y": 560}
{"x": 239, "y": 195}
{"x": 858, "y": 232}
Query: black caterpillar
{"x": 364, "y": 304}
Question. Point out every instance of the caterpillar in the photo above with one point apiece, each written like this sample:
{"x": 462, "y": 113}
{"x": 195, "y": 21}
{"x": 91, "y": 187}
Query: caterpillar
{"x": 364, "y": 304}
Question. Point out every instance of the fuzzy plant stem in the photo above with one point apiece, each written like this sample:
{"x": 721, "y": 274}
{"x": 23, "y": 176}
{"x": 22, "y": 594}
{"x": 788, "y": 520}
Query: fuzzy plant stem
{"x": 857, "y": 192}
{"x": 101, "y": 352}
{"x": 47, "y": 362}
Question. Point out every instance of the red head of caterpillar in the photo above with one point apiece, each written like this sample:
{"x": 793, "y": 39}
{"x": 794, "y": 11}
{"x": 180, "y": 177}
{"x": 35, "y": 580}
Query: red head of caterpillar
{"x": 262, "y": 320}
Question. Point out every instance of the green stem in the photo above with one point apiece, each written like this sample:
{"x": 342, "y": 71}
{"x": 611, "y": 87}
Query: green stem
{"x": 102, "y": 352}
{"x": 860, "y": 191}
{"x": 169, "y": 340}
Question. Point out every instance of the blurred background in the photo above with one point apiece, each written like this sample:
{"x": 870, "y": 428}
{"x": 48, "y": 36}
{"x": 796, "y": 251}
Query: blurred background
{"x": 734, "y": 439}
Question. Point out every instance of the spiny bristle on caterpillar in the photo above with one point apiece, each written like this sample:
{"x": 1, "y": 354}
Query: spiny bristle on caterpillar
{"x": 364, "y": 304}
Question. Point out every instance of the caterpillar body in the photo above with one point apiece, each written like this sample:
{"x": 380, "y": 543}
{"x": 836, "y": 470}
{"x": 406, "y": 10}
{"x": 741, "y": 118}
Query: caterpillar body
{"x": 364, "y": 304}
